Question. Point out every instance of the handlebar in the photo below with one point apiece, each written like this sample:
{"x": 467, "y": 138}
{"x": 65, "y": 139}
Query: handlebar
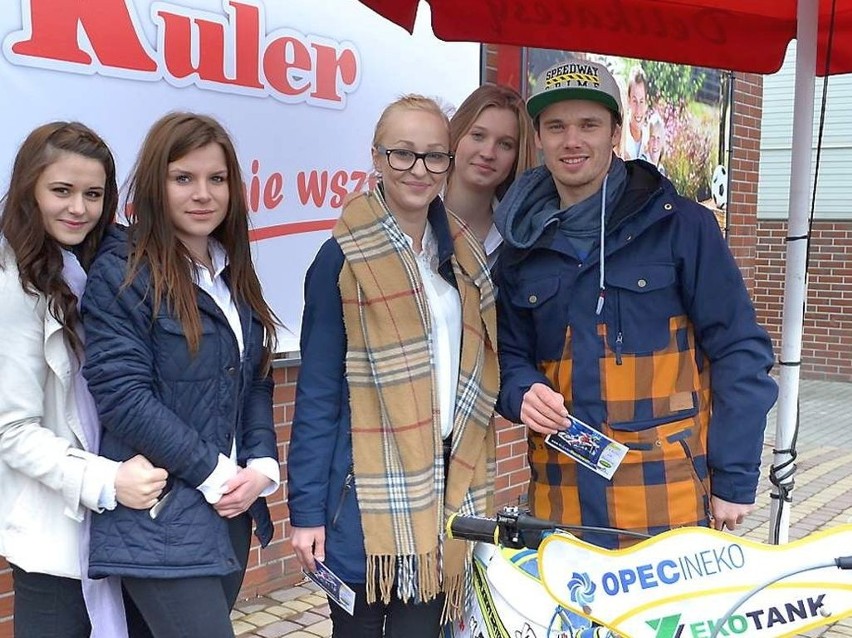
{"x": 516, "y": 529}
{"x": 473, "y": 528}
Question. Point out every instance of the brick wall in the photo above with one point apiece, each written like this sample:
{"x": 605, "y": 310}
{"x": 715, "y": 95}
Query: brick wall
{"x": 760, "y": 250}
{"x": 6, "y": 600}
{"x": 743, "y": 171}
{"x": 827, "y": 338}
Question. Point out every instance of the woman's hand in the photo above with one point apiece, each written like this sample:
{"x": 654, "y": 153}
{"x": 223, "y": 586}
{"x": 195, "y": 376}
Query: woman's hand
{"x": 241, "y": 491}
{"x": 138, "y": 484}
{"x": 308, "y": 543}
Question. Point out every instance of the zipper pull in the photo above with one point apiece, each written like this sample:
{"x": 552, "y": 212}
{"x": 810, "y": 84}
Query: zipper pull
{"x": 619, "y": 342}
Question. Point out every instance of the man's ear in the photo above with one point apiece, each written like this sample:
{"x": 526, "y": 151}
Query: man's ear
{"x": 616, "y": 135}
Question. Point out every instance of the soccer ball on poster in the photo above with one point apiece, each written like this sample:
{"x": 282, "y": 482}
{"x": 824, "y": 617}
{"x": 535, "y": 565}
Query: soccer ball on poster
{"x": 719, "y": 187}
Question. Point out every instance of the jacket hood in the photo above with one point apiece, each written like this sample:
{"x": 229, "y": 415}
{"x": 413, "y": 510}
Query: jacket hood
{"x": 529, "y": 205}
{"x": 644, "y": 181}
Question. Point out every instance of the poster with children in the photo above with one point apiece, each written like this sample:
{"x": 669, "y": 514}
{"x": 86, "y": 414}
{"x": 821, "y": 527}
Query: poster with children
{"x": 675, "y": 117}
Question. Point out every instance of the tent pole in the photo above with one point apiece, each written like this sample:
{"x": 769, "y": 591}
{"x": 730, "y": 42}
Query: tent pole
{"x": 797, "y": 247}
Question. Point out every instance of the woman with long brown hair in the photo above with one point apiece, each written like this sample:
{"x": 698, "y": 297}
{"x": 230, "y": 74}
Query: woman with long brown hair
{"x": 493, "y": 141}
{"x": 62, "y": 194}
{"x": 179, "y": 349}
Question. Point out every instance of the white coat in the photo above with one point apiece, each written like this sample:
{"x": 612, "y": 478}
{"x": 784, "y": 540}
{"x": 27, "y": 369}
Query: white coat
{"x": 48, "y": 474}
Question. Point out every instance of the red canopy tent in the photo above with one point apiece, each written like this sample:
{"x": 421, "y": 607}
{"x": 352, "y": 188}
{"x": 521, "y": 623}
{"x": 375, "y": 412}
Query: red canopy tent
{"x": 740, "y": 35}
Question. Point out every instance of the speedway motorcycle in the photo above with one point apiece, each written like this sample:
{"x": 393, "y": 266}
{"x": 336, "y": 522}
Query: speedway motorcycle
{"x": 535, "y": 579}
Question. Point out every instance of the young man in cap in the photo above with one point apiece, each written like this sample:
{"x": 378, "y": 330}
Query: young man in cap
{"x": 621, "y": 305}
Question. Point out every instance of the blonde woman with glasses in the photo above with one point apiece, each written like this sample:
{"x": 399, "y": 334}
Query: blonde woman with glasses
{"x": 392, "y": 430}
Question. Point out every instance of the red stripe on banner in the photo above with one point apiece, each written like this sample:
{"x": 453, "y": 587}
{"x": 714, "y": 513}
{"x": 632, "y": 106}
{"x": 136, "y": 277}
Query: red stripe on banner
{"x": 293, "y": 228}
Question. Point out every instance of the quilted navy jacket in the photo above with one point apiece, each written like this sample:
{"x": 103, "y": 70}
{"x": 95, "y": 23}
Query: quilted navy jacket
{"x": 179, "y": 410}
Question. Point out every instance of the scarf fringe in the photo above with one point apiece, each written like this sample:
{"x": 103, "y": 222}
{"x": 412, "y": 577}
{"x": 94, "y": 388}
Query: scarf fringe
{"x": 418, "y": 580}
{"x": 457, "y": 590}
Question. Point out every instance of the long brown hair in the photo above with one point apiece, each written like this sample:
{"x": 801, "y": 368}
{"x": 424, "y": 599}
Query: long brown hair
{"x": 153, "y": 238}
{"x": 38, "y": 254}
{"x": 500, "y": 97}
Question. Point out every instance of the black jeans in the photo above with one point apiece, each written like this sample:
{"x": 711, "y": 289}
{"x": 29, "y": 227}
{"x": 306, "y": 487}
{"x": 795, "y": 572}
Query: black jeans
{"x": 394, "y": 620}
{"x": 189, "y": 607}
{"x": 49, "y": 606}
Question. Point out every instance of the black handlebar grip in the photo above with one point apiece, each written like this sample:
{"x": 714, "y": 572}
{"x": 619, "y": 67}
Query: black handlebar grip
{"x": 472, "y": 528}
{"x": 844, "y": 562}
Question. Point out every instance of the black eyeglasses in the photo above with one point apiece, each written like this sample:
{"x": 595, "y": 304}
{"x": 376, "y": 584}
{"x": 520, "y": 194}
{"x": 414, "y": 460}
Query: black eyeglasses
{"x": 402, "y": 159}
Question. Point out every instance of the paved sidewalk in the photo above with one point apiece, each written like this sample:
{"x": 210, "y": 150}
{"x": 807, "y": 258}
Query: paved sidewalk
{"x": 300, "y": 611}
{"x": 822, "y": 499}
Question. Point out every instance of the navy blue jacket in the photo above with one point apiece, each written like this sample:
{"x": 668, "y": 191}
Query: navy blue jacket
{"x": 665, "y": 258}
{"x": 321, "y": 490}
{"x": 177, "y": 409}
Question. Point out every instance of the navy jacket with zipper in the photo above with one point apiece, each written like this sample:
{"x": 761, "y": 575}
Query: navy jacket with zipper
{"x": 321, "y": 491}
{"x": 178, "y": 409}
{"x": 675, "y": 366}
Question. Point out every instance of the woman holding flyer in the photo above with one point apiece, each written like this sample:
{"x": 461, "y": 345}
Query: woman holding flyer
{"x": 392, "y": 430}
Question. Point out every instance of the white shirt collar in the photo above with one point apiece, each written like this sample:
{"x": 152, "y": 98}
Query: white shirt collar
{"x": 219, "y": 259}
{"x": 217, "y": 255}
{"x": 492, "y": 240}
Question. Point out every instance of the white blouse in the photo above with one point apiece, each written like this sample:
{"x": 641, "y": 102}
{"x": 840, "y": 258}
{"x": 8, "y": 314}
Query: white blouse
{"x": 445, "y": 313}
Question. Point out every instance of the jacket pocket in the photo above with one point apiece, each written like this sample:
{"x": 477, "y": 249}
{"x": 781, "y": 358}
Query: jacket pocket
{"x": 548, "y": 311}
{"x": 640, "y": 300}
{"x": 663, "y": 481}
{"x": 191, "y": 527}
{"x": 649, "y": 375}
{"x": 348, "y": 482}
{"x": 24, "y": 507}
{"x": 641, "y": 391}
{"x": 172, "y": 503}
{"x": 668, "y": 416}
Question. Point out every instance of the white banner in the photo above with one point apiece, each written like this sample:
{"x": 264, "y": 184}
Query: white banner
{"x": 298, "y": 83}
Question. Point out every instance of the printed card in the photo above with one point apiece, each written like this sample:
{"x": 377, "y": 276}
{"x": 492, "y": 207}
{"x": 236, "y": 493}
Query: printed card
{"x": 588, "y": 447}
{"x": 336, "y": 589}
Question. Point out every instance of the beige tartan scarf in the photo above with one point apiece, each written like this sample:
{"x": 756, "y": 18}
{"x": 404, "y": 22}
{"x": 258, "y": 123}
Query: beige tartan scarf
{"x": 396, "y": 439}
